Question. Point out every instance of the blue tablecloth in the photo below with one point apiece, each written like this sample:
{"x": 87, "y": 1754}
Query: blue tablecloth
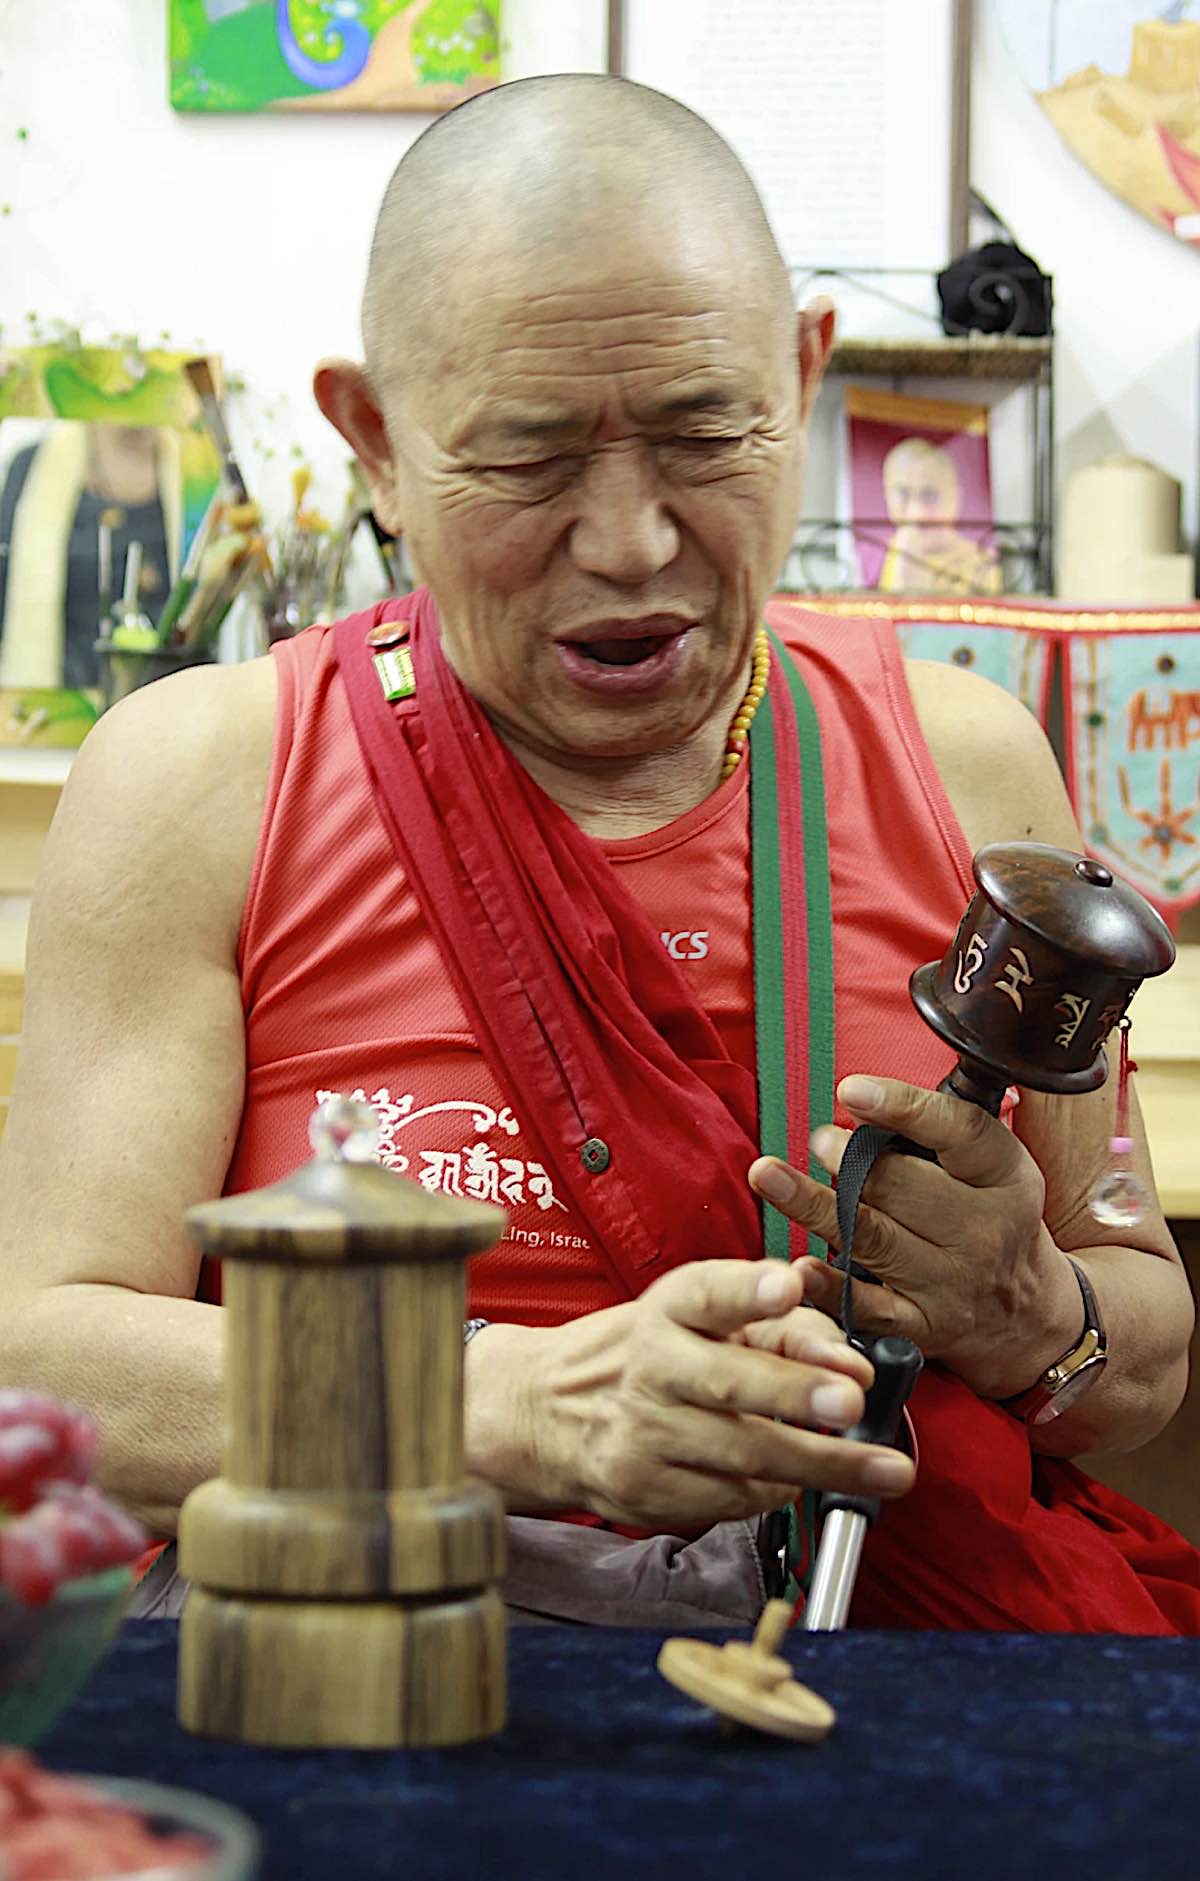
{"x": 976, "y": 1758}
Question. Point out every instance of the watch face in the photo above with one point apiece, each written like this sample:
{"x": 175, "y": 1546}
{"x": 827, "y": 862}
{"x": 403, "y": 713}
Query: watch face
{"x": 1070, "y": 1392}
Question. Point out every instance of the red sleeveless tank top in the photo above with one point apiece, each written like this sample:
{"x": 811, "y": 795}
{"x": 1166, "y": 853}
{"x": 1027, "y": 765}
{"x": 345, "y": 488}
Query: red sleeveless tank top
{"x": 344, "y": 990}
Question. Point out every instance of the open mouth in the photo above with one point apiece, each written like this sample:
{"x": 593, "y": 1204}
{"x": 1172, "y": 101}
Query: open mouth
{"x": 623, "y": 652}
{"x": 622, "y": 664}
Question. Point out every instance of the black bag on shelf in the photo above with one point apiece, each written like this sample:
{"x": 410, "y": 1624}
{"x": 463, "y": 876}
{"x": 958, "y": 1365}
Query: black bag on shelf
{"x": 997, "y": 288}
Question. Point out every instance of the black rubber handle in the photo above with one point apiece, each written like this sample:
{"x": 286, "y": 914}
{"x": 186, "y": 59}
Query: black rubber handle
{"x": 897, "y": 1365}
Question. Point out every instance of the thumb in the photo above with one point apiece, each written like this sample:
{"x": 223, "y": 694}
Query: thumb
{"x": 971, "y": 1145}
{"x": 720, "y": 1297}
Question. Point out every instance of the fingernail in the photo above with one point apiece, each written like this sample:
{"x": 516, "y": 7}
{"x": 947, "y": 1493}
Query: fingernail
{"x": 774, "y": 1288}
{"x": 774, "y": 1182}
{"x": 835, "y": 1404}
{"x": 860, "y": 1094}
{"x": 888, "y": 1472}
{"x": 823, "y": 1144}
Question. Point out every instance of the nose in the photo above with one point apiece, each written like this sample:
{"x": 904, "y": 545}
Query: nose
{"x": 624, "y": 532}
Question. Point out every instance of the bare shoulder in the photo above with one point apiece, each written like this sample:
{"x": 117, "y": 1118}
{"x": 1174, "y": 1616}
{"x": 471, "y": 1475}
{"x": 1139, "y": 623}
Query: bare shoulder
{"x": 995, "y": 761}
{"x": 169, "y": 787}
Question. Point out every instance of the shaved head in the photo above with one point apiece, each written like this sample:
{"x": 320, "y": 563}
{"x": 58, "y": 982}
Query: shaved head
{"x": 538, "y": 167}
{"x": 584, "y": 407}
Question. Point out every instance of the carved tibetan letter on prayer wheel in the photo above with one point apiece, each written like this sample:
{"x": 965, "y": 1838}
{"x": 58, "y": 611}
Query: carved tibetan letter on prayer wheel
{"x": 343, "y": 1570}
{"x": 1046, "y": 959}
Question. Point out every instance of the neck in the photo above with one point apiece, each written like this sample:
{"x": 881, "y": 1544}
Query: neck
{"x": 630, "y": 796}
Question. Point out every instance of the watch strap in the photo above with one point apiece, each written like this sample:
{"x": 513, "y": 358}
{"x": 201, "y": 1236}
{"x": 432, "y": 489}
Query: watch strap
{"x": 1078, "y": 1367}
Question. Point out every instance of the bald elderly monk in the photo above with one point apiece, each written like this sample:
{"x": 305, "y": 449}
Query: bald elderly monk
{"x": 593, "y": 906}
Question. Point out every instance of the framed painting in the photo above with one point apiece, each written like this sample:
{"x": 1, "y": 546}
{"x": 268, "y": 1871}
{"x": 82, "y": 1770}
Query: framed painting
{"x": 331, "y": 55}
{"x": 1120, "y": 82}
{"x": 106, "y": 471}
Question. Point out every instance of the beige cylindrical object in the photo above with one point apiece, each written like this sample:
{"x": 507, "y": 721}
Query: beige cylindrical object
{"x": 1166, "y": 57}
{"x": 1118, "y": 516}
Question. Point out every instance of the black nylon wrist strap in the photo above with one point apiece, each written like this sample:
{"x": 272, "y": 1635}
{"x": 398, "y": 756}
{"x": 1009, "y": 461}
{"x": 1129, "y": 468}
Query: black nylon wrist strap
{"x": 867, "y": 1144}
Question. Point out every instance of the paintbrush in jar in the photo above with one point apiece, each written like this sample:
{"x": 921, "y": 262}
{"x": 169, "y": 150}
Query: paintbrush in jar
{"x": 200, "y": 376}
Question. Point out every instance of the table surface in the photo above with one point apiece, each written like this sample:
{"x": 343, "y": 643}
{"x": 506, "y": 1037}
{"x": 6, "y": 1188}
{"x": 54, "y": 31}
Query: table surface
{"x": 980, "y": 1756}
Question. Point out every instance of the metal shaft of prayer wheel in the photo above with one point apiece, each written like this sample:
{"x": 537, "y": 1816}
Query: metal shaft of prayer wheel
{"x": 1045, "y": 962}
{"x": 343, "y": 1570}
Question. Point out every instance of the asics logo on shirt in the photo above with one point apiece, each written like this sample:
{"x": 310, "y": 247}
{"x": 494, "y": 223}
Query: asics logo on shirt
{"x": 690, "y": 945}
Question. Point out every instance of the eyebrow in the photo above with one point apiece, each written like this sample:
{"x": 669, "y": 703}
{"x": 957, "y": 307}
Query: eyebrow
{"x": 692, "y": 404}
{"x": 498, "y": 430}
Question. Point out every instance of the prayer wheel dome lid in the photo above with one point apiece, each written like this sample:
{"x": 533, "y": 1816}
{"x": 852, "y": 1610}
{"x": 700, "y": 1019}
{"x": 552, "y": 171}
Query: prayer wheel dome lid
{"x": 342, "y": 1208}
{"x": 1076, "y": 905}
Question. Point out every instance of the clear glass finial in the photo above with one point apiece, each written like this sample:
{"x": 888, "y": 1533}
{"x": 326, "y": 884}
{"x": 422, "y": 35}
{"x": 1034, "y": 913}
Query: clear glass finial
{"x": 344, "y": 1130}
{"x": 1119, "y": 1199}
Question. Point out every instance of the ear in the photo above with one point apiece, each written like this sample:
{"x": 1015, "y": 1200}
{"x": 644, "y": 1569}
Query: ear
{"x": 346, "y": 397}
{"x": 815, "y": 326}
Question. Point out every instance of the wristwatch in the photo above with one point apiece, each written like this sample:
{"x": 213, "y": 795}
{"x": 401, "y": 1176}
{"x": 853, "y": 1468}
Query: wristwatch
{"x": 1062, "y": 1386}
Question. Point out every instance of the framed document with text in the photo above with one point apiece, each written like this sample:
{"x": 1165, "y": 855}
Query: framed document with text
{"x": 849, "y": 114}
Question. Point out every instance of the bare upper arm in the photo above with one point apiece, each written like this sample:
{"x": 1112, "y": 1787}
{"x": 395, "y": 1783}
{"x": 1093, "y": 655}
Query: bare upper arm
{"x": 995, "y": 761}
{"x": 130, "y": 1070}
{"x": 1004, "y": 784}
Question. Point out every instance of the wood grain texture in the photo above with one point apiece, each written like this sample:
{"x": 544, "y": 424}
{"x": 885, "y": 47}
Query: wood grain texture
{"x": 338, "y": 1212}
{"x": 368, "y": 1676}
{"x": 748, "y": 1683}
{"x": 342, "y": 1566}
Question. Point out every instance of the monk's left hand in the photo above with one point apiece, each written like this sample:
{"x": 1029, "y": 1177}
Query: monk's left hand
{"x": 970, "y": 1271}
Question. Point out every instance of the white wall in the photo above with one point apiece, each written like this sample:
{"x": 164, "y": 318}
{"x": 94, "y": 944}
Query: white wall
{"x": 1127, "y": 296}
{"x": 245, "y": 235}
{"x": 248, "y": 235}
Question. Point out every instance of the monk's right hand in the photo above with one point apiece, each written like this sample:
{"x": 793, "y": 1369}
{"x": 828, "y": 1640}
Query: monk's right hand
{"x": 704, "y": 1399}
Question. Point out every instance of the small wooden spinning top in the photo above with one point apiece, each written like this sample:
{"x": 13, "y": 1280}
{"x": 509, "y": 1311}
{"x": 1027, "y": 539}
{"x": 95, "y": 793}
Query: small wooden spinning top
{"x": 749, "y": 1684}
{"x": 343, "y": 1570}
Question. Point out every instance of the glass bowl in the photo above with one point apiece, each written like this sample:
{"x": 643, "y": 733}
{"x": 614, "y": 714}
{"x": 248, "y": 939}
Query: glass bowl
{"x": 235, "y": 1842}
{"x": 48, "y": 1653}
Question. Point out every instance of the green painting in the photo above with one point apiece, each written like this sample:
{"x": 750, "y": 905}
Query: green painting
{"x": 331, "y": 55}
{"x": 106, "y": 470}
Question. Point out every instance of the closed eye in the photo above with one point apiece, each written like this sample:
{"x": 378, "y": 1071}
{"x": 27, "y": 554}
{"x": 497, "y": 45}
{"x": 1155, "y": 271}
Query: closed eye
{"x": 709, "y": 441}
{"x": 538, "y": 467}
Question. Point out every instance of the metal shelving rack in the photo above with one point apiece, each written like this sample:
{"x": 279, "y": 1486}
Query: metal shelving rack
{"x": 822, "y": 557}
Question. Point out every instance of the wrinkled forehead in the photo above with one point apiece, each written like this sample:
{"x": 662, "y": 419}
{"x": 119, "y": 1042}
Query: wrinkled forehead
{"x": 629, "y": 314}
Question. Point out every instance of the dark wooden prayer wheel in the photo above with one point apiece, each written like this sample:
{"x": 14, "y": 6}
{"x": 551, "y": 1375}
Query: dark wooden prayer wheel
{"x": 343, "y": 1570}
{"x": 1045, "y": 962}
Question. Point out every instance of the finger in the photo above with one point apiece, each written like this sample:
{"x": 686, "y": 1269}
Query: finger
{"x": 730, "y": 1377}
{"x": 812, "y": 1339}
{"x": 757, "y": 1449}
{"x": 828, "y": 1145}
{"x": 970, "y": 1144}
{"x": 872, "y": 1309}
{"x": 814, "y": 1205}
{"x": 720, "y": 1297}
{"x": 908, "y": 1190}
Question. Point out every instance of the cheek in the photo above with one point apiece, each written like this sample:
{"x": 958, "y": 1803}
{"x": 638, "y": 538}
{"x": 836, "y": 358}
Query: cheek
{"x": 503, "y": 546}
{"x": 752, "y": 517}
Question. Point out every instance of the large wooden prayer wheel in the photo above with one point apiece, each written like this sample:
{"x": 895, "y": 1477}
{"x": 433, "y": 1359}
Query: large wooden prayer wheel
{"x": 1044, "y": 964}
{"x": 343, "y": 1569}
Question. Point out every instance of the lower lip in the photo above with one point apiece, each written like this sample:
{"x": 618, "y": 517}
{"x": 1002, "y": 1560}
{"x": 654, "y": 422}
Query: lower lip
{"x": 624, "y": 682}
